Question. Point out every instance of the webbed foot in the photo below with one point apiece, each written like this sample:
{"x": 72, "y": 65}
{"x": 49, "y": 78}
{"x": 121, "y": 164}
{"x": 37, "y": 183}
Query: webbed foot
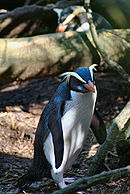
{"x": 69, "y": 180}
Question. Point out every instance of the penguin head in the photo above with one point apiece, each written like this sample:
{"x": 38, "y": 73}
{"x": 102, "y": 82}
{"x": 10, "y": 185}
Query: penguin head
{"x": 73, "y": 18}
{"x": 82, "y": 80}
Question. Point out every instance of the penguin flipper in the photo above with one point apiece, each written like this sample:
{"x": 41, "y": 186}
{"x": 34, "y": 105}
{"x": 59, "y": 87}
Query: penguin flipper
{"x": 98, "y": 127}
{"x": 55, "y": 127}
{"x": 54, "y": 121}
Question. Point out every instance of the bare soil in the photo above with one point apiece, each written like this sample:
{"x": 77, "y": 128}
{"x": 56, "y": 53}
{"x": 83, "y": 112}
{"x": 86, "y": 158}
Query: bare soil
{"x": 22, "y": 102}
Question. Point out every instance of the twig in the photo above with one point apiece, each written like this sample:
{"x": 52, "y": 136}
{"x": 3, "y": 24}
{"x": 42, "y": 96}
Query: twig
{"x": 104, "y": 55}
{"x": 30, "y": 125}
{"x": 86, "y": 182}
{"x": 12, "y": 120}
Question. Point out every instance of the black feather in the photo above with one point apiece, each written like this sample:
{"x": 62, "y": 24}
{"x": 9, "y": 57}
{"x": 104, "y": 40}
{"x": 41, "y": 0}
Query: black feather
{"x": 54, "y": 121}
{"x": 25, "y": 181}
{"x": 39, "y": 168}
{"x": 98, "y": 127}
{"x": 50, "y": 121}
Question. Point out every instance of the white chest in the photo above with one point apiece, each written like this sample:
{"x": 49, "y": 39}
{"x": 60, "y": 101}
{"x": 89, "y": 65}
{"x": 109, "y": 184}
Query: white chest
{"x": 76, "y": 119}
{"x": 75, "y": 124}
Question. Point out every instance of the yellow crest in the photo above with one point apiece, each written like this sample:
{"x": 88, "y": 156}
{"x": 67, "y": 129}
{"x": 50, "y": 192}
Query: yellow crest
{"x": 74, "y": 74}
{"x": 67, "y": 75}
{"x": 75, "y": 13}
{"x": 92, "y": 67}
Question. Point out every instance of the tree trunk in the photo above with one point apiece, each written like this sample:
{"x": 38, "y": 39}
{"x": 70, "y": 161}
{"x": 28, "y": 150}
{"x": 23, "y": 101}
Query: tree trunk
{"x": 49, "y": 55}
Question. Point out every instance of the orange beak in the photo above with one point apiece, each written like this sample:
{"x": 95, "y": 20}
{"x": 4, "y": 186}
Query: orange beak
{"x": 90, "y": 86}
{"x": 61, "y": 28}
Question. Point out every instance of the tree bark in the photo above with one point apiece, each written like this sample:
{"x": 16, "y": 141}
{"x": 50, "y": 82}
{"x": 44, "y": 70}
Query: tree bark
{"x": 49, "y": 55}
{"x": 46, "y": 55}
{"x": 123, "y": 145}
{"x": 112, "y": 64}
{"x": 112, "y": 136}
{"x": 87, "y": 182}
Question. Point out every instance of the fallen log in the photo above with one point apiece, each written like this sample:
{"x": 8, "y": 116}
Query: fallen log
{"x": 28, "y": 21}
{"x": 46, "y": 55}
{"x": 49, "y": 55}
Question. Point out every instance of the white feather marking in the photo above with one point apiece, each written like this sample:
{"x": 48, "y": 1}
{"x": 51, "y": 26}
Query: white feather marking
{"x": 72, "y": 15}
{"x": 68, "y": 19}
{"x": 49, "y": 150}
{"x": 48, "y": 147}
{"x": 83, "y": 27}
{"x": 58, "y": 11}
{"x": 91, "y": 69}
{"x": 78, "y": 11}
{"x": 74, "y": 74}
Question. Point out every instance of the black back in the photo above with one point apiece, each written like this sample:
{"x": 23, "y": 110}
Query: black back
{"x": 50, "y": 121}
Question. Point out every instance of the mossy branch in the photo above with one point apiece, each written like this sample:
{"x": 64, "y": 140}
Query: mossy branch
{"x": 104, "y": 55}
{"x": 86, "y": 182}
{"x": 113, "y": 133}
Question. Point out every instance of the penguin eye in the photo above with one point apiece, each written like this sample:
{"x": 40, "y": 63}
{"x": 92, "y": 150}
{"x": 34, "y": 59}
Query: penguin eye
{"x": 75, "y": 81}
{"x": 73, "y": 20}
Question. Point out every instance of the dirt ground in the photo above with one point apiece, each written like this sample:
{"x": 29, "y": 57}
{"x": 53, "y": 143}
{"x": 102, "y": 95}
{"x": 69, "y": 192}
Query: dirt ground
{"x": 21, "y": 103}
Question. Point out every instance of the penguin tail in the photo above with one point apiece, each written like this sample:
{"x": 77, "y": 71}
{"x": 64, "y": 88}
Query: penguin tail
{"x": 25, "y": 181}
{"x": 37, "y": 171}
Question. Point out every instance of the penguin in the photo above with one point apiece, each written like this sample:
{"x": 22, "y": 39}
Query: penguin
{"x": 73, "y": 18}
{"x": 63, "y": 128}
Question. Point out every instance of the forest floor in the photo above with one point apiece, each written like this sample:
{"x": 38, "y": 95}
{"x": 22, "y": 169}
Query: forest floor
{"x": 22, "y": 102}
